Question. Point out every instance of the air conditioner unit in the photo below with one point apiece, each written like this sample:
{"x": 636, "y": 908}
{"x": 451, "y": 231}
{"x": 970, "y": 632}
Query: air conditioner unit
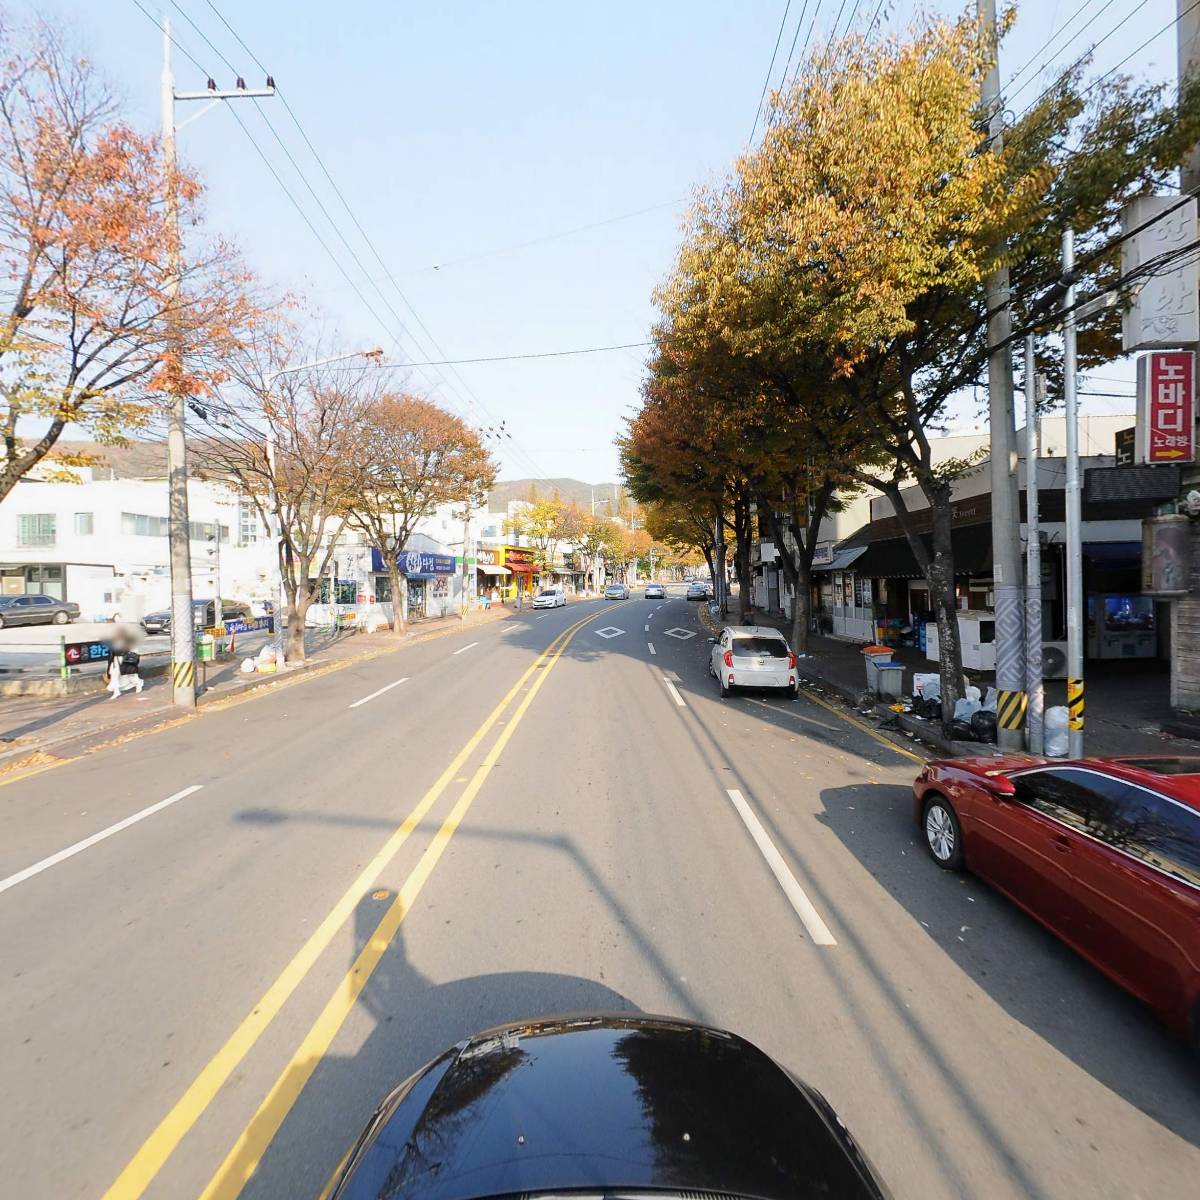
{"x": 1054, "y": 660}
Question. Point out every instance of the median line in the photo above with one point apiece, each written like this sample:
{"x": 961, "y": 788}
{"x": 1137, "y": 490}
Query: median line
{"x": 243, "y": 1159}
{"x": 150, "y": 1158}
{"x": 385, "y": 688}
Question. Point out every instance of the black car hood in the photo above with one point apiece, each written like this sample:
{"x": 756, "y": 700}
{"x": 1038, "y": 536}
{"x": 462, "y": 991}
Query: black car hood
{"x": 605, "y": 1102}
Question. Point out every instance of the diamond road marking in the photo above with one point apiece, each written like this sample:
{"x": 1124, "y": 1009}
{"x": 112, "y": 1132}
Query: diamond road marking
{"x": 610, "y": 631}
{"x": 681, "y": 634}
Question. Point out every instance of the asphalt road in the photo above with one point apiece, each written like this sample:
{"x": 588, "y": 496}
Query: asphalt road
{"x": 210, "y": 1000}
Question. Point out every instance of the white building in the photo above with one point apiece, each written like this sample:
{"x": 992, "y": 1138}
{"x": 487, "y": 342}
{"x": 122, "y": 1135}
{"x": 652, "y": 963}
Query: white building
{"x": 103, "y": 544}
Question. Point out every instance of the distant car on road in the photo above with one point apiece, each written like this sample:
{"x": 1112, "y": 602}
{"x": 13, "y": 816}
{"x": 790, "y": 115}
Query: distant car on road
{"x": 605, "y": 1105}
{"x": 616, "y": 591}
{"x": 655, "y": 591}
{"x": 36, "y": 609}
{"x": 749, "y": 656}
{"x": 553, "y": 597}
{"x": 1105, "y": 852}
{"x": 697, "y": 590}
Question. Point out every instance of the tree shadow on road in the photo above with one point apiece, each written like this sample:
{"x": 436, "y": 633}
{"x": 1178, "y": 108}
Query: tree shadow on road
{"x": 1037, "y": 979}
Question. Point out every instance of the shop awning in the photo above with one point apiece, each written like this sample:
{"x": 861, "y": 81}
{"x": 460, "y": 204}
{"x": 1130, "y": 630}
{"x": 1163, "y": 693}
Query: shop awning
{"x": 488, "y": 569}
{"x": 841, "y": 560}
{"x": 893, "y": 558}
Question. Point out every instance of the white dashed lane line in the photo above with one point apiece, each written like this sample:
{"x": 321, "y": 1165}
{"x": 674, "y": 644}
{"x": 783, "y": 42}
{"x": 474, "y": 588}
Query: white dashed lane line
{"x": 809, "y": 917}
{"x": 464, "y": 649}
{"x": 650, "y": 647}
{"x": 386, "y": 688}
{"x": 674, "y": 693}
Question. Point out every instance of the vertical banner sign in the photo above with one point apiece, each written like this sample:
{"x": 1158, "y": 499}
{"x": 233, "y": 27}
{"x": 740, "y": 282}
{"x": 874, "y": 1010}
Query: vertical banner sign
{"x": 1166, "y": 428}
{"x": 1125, "y": 439}
{"x": 1159, "y": 231}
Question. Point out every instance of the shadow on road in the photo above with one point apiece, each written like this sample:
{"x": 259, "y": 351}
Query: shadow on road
{"x": 1034, "y": 977}
{"x": 413, "y": 1020}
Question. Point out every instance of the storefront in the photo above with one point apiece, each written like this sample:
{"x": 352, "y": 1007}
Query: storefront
{"x": 519, "y": 561}
{"x": 490, "y": 572}
{"x": 430, "y": 577}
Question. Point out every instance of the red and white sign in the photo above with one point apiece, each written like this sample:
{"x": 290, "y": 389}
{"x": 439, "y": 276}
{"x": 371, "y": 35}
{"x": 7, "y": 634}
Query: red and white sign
{"x": 1166, "y": 428}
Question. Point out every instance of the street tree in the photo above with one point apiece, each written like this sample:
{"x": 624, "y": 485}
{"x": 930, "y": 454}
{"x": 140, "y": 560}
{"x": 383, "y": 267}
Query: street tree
{"x": 303, "y": 490}
{"x": 844, "y": 263}
{"x": 415, "y": 456}
{"x": 91, "y": 334}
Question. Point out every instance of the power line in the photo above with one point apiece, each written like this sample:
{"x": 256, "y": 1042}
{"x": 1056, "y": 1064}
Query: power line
{"x": 833, "y": 29}
{"x": 204, "y": 37}
{"x": 369, "y": 243}
{"x": 770, "y": 67}
{"x": 158, "y": 25}
{"x": 796, "y": 38}
{"x": 495, "y": 358}
{"x": 1054, "y": 34}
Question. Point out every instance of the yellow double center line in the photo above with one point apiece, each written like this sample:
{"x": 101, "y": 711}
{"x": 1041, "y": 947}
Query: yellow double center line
{"x": 242, "y": 1160}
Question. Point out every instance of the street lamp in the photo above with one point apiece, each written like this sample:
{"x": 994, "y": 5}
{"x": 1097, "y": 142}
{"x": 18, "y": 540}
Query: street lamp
{"x": 276, "y": 508}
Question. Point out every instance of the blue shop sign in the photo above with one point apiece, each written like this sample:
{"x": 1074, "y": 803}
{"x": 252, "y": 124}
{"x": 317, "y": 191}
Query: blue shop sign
{"x": 418, "y": 563}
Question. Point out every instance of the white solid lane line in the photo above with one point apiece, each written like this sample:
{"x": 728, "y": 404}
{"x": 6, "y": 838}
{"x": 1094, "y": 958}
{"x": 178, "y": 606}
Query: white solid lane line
{"x": 809, "y": 917}
{"x": 650, "y": 645}
{"x": 647, "y": 628}
{"x": 372, "y": 696}
{"x": 464, "y": 649}
{"x": 71, "y": 851}
{"x": 674, "y": 692}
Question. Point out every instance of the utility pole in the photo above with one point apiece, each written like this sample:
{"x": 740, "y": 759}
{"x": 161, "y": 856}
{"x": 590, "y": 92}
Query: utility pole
{"x": 467, "y": 572}
{"x": 1188, "y": 51}
{"x": 1006, "y": 541}
{"x": 1033, "y": 555}
{"x": 1075, "y": 627}
{"x": 183, "y": 638}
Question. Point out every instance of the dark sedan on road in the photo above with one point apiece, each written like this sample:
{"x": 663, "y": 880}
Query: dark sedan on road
{"x": 1105, "y": 852}
{"x": 602, "y": 1106}
{"x": 36, "y": 609}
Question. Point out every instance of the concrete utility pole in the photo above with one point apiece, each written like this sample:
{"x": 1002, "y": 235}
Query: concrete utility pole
{"x": 1075, "y": 625}
{"x": 1006, "y": 541}
{"x": 1188, "y": 51}
{"x": 183, "y": 640}
{"x": 1033, "y": 555}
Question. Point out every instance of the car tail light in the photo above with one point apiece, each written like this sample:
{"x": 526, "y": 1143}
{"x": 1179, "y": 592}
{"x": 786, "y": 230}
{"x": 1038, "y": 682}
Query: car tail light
{"x": 791, "y": 662}
{"x": 729, "y": 658}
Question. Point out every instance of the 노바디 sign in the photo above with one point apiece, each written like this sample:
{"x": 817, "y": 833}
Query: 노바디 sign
{"x": 1166, "y": 408}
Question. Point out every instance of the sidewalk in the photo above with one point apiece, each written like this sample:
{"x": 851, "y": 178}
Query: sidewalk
{"x": 34, "y": 731}
{"x": 1127, "y": 701}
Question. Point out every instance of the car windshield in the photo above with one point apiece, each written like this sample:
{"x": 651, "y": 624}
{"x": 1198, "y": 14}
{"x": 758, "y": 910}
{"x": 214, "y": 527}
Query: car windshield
{"x": 761, "y": 647}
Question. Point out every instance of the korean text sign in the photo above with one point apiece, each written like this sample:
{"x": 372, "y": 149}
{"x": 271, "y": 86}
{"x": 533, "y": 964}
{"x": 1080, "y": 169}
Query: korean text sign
{"x": 1166, "y": 428}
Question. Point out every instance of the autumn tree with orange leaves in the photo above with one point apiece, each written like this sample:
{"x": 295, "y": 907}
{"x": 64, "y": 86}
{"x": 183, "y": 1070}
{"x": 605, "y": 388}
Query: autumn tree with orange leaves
{"x": 84, "y": 338}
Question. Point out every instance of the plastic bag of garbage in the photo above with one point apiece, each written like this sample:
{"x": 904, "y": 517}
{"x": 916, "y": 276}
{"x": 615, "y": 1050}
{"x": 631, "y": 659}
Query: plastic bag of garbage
{"x": 961, "y": 731}
{"x": 989, "y": 700}
{"x": 983, "y": 725}
{"x": 249, "y": 666}
{"x": 1056, "y": 732}
{"x": 927, "y": 684}
{"x": 267, "y": 654}
{"x": 968, "y": 706}
{"x": 375, "y": 621}
{"x": 972, "y": 693}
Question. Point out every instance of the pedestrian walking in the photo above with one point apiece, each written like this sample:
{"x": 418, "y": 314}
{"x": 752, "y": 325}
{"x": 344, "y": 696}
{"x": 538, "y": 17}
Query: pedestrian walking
{"x": 123, "y": 666}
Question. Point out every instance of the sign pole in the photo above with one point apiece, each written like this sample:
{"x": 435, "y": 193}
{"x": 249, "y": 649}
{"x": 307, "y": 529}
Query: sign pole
{"x": 1035, "y": 730}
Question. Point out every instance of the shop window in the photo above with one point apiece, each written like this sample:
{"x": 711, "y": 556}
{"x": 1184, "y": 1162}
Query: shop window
{"x": 85, "y": 524}
{"x": 383, "y": 589}
{"x": 35, "y": 529}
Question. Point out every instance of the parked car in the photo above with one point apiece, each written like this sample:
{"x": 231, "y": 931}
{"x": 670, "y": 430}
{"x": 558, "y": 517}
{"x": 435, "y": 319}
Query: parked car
{"x": 36, "y": 609}
{"x": 605, "y": 1105}
{"x": 553, "y": 597}
{"x": 1105, "y": 852}
{"x": 203, "y": 615}
{"x": 616, "y": 591}
{"x": 655, "y": 591}
{"x": 748, "y": 656}
{"x": 697, "y": 590}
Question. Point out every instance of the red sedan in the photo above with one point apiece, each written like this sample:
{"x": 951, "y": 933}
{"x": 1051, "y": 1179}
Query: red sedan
{"x": 1105, "y": 852}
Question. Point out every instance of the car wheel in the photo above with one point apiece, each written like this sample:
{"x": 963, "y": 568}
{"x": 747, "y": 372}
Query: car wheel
{"x": 793, "y": 691}
{"x": 61, "y": 618}
{"x": 1, "y": 622}
{"x": 726, "y": 692}
{"x": 943, "y": 833}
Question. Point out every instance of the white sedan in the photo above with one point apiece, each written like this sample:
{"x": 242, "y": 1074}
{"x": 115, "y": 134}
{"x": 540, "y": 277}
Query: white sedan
{"x": 550, "y": 598}
{"x": 749, "y": 656}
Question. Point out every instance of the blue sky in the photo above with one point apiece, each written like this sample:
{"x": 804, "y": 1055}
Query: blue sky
{"x": 462, "y": 129}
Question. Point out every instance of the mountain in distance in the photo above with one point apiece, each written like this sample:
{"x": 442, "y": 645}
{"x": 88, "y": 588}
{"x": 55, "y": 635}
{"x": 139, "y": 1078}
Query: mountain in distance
{"x": 571, "y": 490}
